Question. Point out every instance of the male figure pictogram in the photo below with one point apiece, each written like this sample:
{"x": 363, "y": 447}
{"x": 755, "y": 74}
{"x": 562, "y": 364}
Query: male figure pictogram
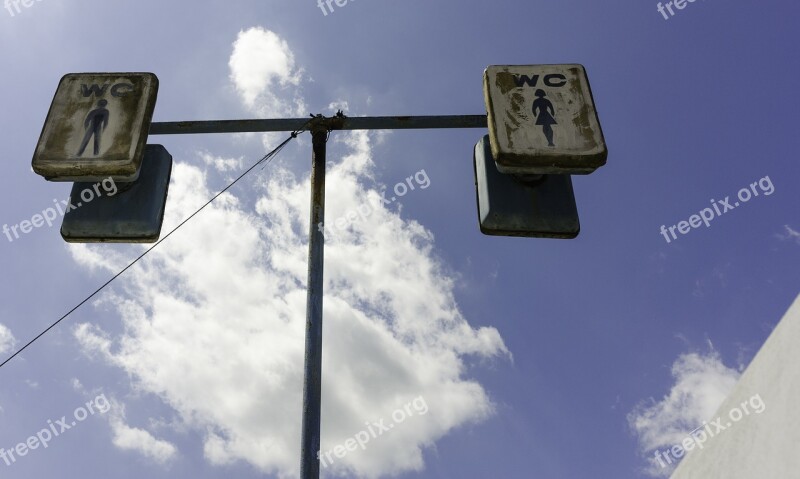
{"x": 96, "y": 121}
{"x": 545, "y": 116}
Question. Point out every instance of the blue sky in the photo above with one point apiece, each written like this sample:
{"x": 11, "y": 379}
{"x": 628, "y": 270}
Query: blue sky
{"x": 533, "y": 357}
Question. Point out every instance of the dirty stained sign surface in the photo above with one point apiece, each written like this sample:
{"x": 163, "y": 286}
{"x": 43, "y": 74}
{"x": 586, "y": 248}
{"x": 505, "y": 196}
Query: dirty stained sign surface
{"x": 97, "y": 127}
{"x": 542, "y": 120}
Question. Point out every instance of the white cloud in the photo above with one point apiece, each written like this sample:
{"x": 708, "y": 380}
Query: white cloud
{"x": 339, "y": 105}
{"x": 790, "y": 234}
{"x": 263, "y": 71}
{"x": 702, "y": 382}
{"x": 7, "y": 340}
{"x": 138, "y": 440}
{"x": 222, "y": 164}
{"x": 214, "y": 322}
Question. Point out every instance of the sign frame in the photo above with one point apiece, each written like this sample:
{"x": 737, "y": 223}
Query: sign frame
{"x": 91, "y": 103}
{"x": 571, "y": 140}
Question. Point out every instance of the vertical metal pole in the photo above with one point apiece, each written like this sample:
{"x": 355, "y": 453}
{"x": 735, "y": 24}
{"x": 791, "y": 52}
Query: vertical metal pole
{"x": 312, "y": 383}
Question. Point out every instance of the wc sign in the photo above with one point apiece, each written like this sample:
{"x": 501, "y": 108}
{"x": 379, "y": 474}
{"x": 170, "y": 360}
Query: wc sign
{"x": 97, "y": 127}
{"x": 542, "y": 120}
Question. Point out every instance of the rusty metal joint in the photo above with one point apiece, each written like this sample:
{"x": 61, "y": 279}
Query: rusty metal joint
{"x": 320, "y": 123}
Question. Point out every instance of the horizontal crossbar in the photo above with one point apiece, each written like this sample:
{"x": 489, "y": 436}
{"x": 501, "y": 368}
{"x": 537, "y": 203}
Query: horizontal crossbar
{"x": 294, "y": 124}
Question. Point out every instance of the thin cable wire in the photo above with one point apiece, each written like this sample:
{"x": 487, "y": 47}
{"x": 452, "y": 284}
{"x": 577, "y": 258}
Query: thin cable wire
{"x": 266, "y": 160}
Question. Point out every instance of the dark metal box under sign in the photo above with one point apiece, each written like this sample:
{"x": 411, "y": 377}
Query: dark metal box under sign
{"x": 111, "y": 212}
{"x": 511, "y": 206}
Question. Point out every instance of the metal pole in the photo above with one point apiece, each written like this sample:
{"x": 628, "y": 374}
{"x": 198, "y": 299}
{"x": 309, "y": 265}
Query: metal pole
{"x": 312, "y": 382}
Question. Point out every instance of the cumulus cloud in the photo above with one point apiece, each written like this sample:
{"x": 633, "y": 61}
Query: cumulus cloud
{"x": 214, "y": 322}
{"x": 7, "y": 340}
{"x": 702, "y": 382}
{"x": 123, "y": 436}
{"x": 221, "y": 164}
{"x": 263, "y": 71}
{"x": 129, "y": 438}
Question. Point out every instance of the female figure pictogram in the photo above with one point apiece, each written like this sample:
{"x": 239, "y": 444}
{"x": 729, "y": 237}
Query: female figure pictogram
{"x": 545, "y": 115}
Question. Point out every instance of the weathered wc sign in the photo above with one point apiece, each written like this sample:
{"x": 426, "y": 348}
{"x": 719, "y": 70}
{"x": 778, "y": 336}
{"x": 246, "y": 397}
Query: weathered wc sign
{"x": 543, "y": 128}
{"x": 97, "y": 127}
{"x": 542, "y": 120}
